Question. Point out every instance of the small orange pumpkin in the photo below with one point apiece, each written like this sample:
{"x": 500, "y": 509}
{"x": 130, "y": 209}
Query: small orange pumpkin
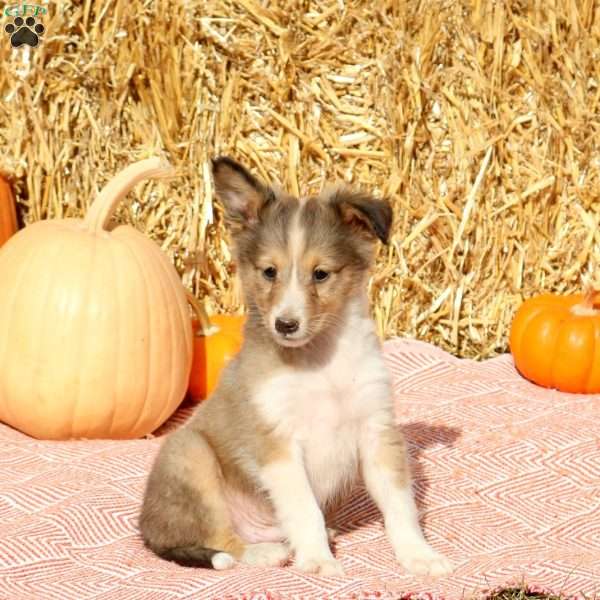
{"x": 8, "y": 214}
{"x": 555, "y": 341}
{"x": 216, "y": 341}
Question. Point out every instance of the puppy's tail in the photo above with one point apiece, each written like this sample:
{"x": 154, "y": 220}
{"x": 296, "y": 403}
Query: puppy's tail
{"x": 197, "y": 556}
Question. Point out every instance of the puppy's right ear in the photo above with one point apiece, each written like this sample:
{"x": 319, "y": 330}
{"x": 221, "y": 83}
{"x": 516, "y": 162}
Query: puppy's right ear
{"x": 242, "y": 195}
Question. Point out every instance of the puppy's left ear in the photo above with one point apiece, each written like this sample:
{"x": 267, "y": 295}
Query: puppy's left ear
{"x": 371, "y": 217}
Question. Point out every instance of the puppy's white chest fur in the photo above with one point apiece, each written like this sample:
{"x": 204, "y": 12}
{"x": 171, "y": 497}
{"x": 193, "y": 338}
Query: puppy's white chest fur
{"x": 324, "y": 406}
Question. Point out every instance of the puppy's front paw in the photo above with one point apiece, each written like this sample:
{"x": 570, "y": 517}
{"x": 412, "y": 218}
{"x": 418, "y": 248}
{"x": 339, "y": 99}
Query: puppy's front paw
{"x": 319, "y": 566}
{"x": 422, "y": 559}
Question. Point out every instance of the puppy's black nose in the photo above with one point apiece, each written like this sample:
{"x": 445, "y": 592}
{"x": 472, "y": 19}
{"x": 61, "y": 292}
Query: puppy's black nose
{"x": 286, "y": 326}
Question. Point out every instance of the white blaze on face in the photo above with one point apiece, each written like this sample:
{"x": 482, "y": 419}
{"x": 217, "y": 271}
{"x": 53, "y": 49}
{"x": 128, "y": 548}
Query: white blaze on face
{"x": 292, "y": 304}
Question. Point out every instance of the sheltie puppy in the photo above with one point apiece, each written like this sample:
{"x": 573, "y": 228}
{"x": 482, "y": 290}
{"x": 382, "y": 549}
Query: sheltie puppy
{"x": 303, "y": 411}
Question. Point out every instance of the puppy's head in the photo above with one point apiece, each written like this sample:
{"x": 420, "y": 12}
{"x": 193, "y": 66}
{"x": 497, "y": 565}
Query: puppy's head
{"x": 300, "y": 261}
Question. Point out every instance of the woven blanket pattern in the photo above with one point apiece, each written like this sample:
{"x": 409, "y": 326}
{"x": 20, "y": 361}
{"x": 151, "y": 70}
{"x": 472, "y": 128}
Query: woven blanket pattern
{"x": 507, "y": 477}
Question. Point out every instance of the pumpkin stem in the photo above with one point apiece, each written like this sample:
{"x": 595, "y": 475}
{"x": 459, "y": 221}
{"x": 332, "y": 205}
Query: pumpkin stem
{"x": 111, "y": 195}
{"x": 591, "y": 303}
{"x": 205, "y": 327}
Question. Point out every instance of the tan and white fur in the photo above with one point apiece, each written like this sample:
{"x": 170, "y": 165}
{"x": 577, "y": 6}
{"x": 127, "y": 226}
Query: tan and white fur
{"x": 303, "y": 410}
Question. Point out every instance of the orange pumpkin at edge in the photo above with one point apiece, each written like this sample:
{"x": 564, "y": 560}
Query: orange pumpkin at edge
{"x": 8, "y": 213}
{"x": 216, "y": 341}
{"x": 555, "y": 341}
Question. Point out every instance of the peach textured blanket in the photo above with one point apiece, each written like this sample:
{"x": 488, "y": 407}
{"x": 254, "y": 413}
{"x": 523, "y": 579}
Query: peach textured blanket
{"x": 507, "y": 476}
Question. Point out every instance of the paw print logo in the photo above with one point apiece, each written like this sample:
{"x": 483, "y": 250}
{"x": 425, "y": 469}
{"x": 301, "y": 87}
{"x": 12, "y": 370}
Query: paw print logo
{"x": 24, "y": 31}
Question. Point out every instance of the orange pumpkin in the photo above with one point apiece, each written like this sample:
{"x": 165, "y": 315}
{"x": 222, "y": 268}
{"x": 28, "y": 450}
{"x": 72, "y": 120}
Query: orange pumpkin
{"x": 555, "y": 341}
{"x": 96, "y": 340}
{"x": 8, "y": 215}
{"x": 216, "y": 341}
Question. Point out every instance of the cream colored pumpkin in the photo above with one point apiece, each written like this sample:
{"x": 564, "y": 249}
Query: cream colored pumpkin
{"x": 95, "y": 333}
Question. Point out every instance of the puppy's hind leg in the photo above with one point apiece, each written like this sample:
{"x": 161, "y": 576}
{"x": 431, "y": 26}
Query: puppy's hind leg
{"x": 184, "y": 515}
{"x": 266, "y": 554}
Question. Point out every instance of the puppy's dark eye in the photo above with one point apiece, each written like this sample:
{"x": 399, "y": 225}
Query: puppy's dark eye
{"x": 270, "y": 273}
{"x": 320, "y": 275}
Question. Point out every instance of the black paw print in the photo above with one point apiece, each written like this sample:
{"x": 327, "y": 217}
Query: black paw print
{"x": 24, "y": 32}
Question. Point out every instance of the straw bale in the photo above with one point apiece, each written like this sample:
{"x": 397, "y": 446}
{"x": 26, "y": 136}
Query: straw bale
{"x": 479, "y": 119}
